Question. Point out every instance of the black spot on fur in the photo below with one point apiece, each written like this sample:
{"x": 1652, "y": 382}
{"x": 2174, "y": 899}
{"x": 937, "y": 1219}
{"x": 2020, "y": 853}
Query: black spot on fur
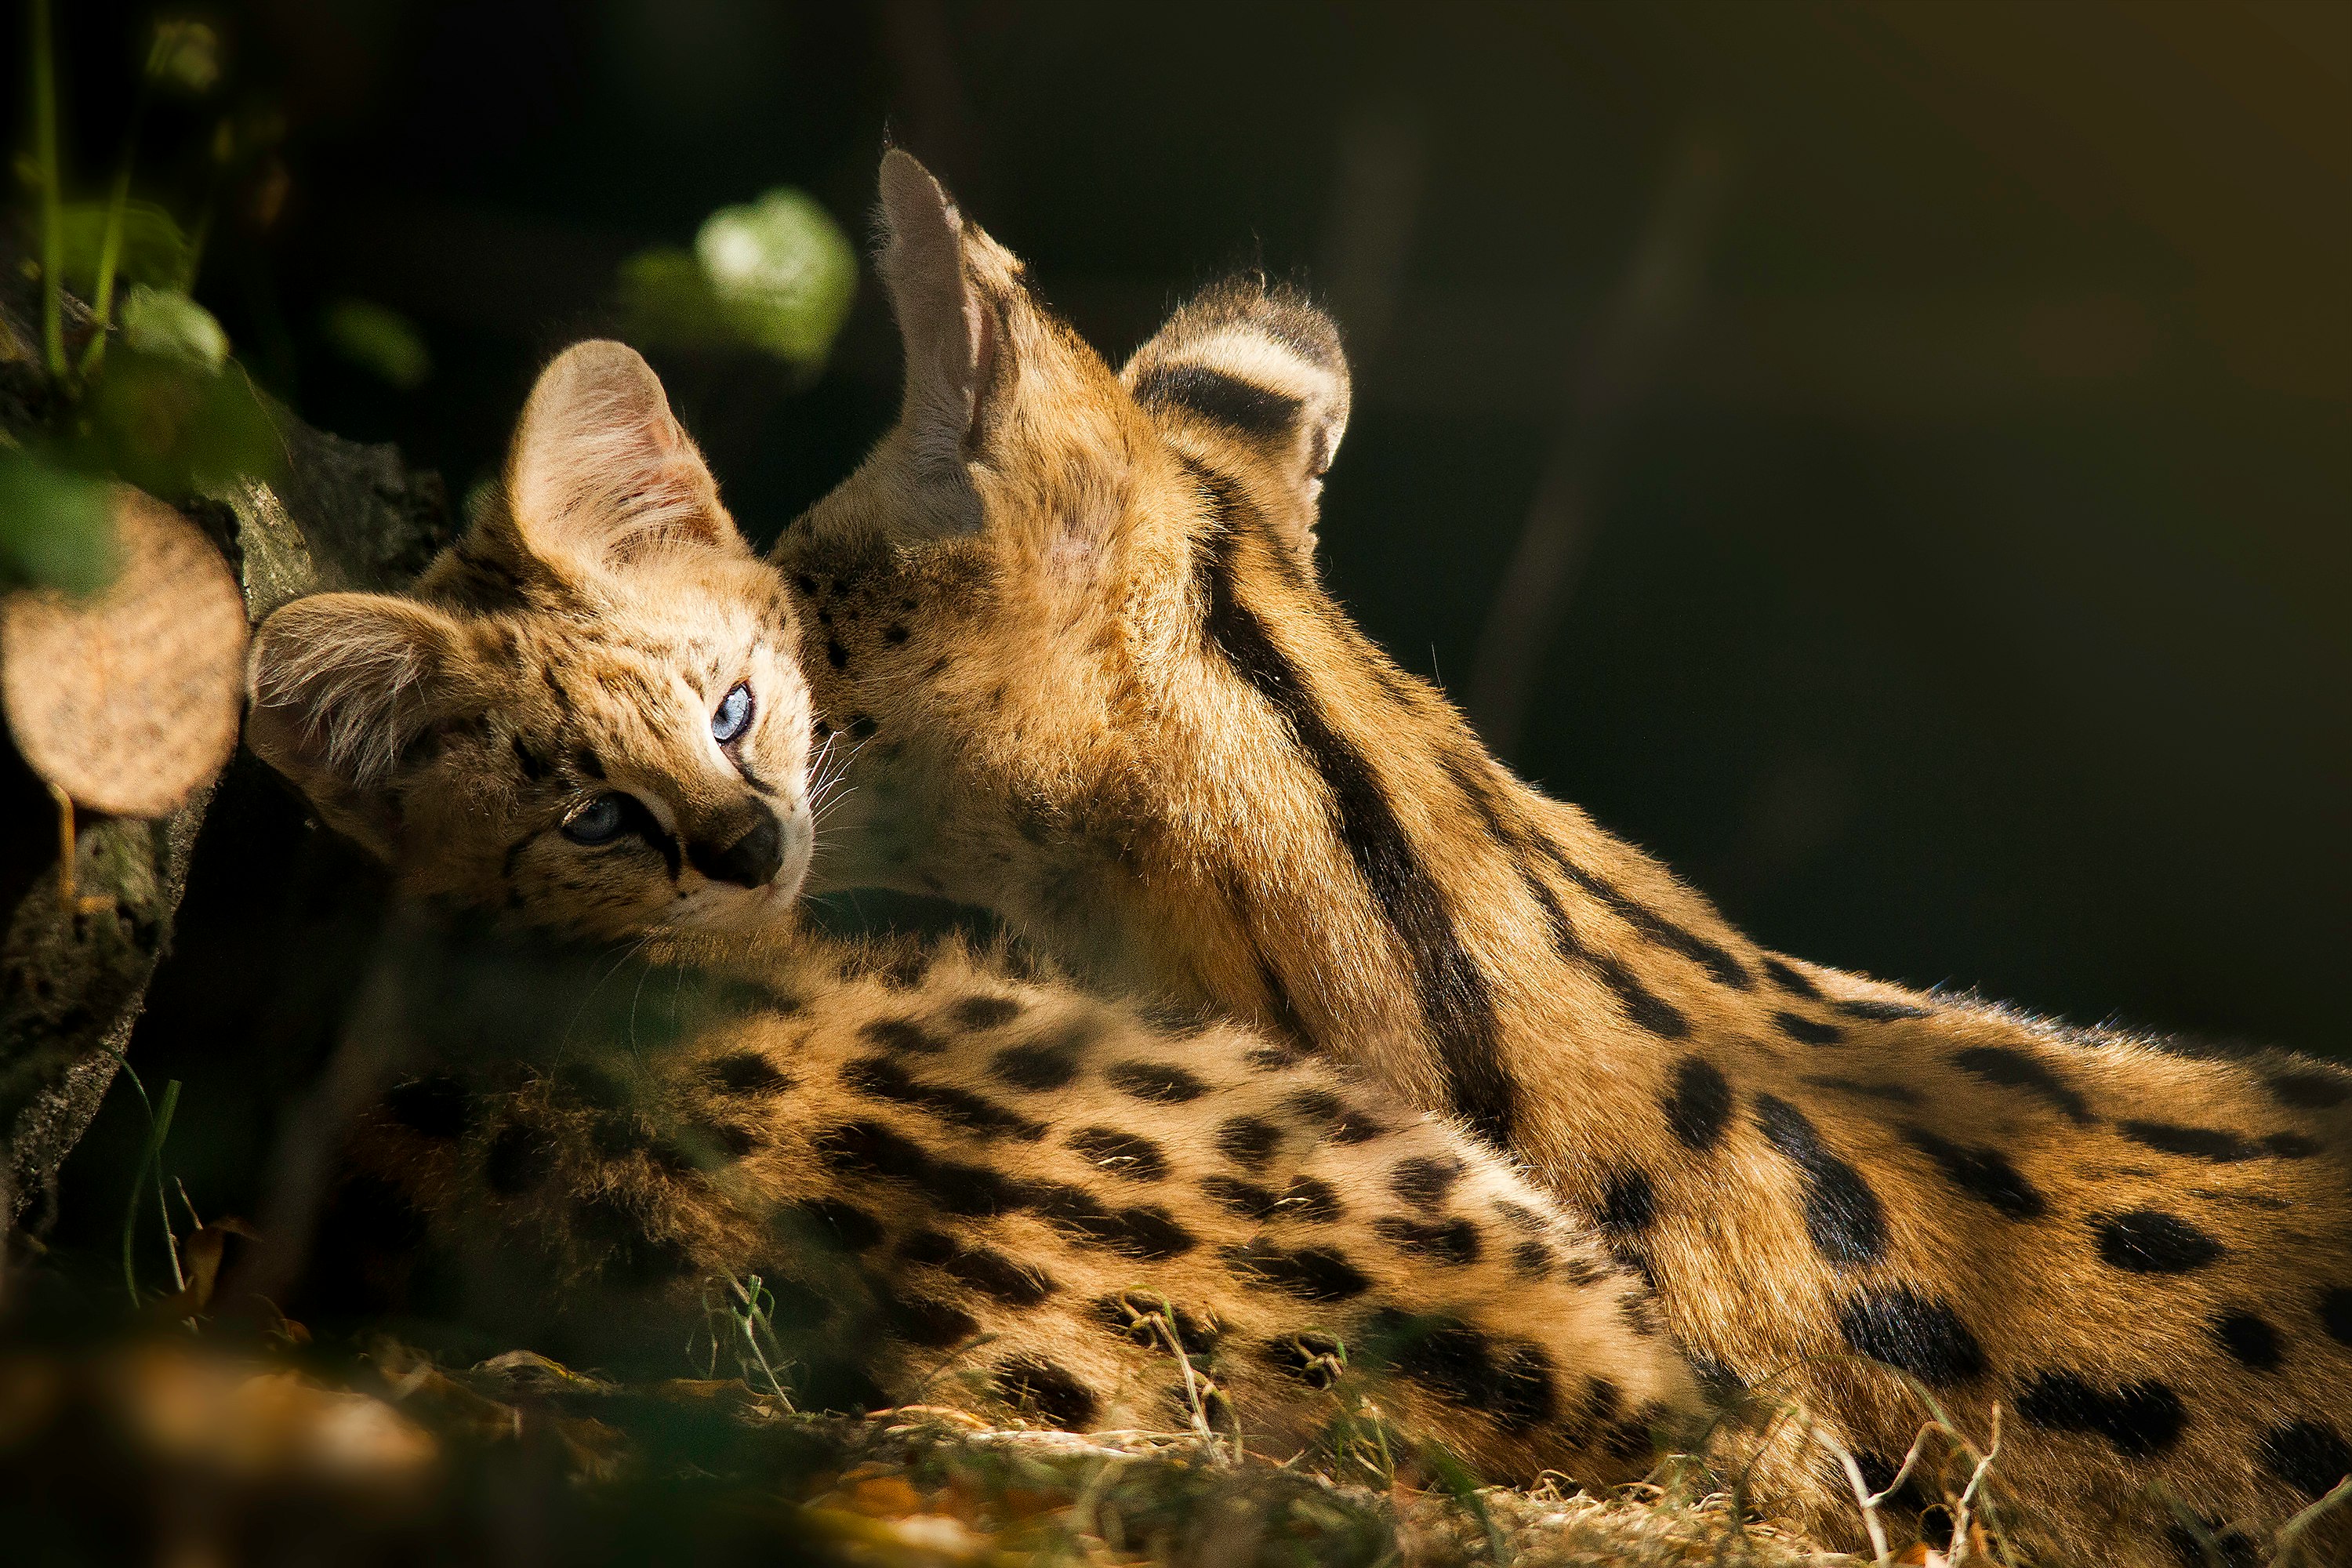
{"x": 1309, "y": 1202}
{"x": 894, "y": 634}
{"x": 928, "y": 1245}
{"x": 1248, "y": 1142}
{"x": 835, "y": 654}
{"x": 841, "y": 1225}
{"x": 1450, "y": 1241}
{"x": 1037, "y": 1385}
{"x": 2336, "y": 1313}
{"x": 1789, "y": 978}
{"x": 1799, "y": 1027}
{"x": 707, "y": 1142}
{"x": 1258, "y": 411}
{"x": 1424, "y": 1181}
{"x": 884, "y": 1078}
{"x": 2309, "y": 1455}
{"x": 1315, "y": 1359}
{"x": 1317, "y": 1107}
{"x": 436, "y": 1105}
{"x": 1643, "y": 1007}
{"x": 1508, "y": 1380}
{"x": 1877, "y": 1012}
{"x": 1355, "y": 1127}
{"x": 1000, "y": 1278}
{"x": 1144, "y": 1231}
{"x": 1698, "y": 1106}
{"x": 1843, "y": 1215}
{"x": 1893, "y": 1093}
{"x": 1312, "y": 1273}
{"x": 1158, "y": 1081}
{"x": 2213, "y": 1144}
{"x": 983, "y": 1012}
{"x": 2227, "y": 1549}
{"x": 1246, "y": 1199}
{"x": 1457, "y": 1000}
{"x": 2141, "y": 1419}
{"x": 1036, "y": 1067}
{"x": 2250, "y": 1340}
{"x": 519, "y": 1160}
{"x": 1126, "y": 1155}
{"x": 1628, "y": 1202}
{"x": 2015, "y": 1070}
{"x": 1919, "y": 1334}
{"x": 2312, "y": 1091}
{"x": 928, "y": 1324}
{"x": 2149, "y": 1241}
{"x": 631, "y": 1257}
{"x": 745, "y": 1072}
{"x": 535, "y": 766}
{"x": 1531, "y": 1260}
{"x": 902, "y": 1035}
{"x": 1980, "y": 1172}
{"x": 872, "y": 1149}
{"x": 1275, "y": 1057}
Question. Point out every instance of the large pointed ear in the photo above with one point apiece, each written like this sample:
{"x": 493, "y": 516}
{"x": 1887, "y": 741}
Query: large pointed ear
{"x": 601, "y": 474}
{"x": 1260, "y": 370}
{"x": 955, "y": 292}
{"x": 341, "y": 685}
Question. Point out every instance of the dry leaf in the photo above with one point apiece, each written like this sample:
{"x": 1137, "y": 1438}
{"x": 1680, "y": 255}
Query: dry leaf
{"x": 128, "y": 701}
{"x": 200, "y": 1254}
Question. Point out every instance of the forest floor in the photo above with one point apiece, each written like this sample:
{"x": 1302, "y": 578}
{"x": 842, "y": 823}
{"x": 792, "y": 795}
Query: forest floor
{"x": 184, "y": 1447}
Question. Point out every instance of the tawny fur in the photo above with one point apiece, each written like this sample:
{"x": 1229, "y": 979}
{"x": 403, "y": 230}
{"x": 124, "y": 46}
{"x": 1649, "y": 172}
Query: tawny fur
{"x": 953, "y": 1186}
{"x": 1096, "y": 687}
{"x": 967, "y": 1186}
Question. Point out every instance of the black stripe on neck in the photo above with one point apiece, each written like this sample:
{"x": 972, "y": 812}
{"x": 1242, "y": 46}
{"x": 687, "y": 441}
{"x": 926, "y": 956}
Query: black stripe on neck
{"x": 1456, "y": 1002}
{"x": 1643, "y": 1007}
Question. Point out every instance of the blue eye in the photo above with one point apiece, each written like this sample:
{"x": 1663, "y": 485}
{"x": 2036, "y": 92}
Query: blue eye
{"x": 734, "y": 716}
{"x": 598, "y": 822}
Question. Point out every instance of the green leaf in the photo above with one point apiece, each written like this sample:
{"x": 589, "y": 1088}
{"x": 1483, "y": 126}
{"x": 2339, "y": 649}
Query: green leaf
{"x": 174, "y": 428}
{"x": 154, "y": 251}
{"x": 379, "y": 339}
{"x": 776, "y": 275}
{"x": 170, "y": 325}
{"x": 56, "y": 530}
{"x": 185, "y": 54}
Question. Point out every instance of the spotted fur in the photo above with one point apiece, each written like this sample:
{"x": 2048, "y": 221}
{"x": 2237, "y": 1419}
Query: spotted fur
{"x": 935, "y": 1177}
{"x": 1075, "y": 615}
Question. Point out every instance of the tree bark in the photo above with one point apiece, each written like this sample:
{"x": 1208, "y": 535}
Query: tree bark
{"x": 73, "y": 979}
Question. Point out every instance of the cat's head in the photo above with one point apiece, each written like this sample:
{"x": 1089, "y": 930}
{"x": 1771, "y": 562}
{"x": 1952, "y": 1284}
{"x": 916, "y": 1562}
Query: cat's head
{"x": 588, "y": 712}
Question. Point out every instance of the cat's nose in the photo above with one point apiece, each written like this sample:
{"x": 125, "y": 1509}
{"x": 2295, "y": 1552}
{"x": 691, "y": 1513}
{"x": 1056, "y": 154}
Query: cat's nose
{"x": 751, "y": 861}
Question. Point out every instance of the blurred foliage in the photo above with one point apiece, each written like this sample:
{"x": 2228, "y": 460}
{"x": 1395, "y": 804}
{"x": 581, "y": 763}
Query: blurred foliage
{"x": 378, "y": 339}
{"x": 56, "y": 530}
{"x": 186, "y": 55}
{"x": 776, "y": 275}
{"x": 169, "y": 424}
{"x": 154, "y": 251}
{"x": 170, "y": 326}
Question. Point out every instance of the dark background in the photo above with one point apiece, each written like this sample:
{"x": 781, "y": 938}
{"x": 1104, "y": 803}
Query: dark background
{"x": 1964, "y": 494}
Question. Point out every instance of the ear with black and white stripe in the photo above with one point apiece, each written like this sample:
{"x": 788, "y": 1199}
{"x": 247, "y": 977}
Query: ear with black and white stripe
{"x": 1258, "y": 368}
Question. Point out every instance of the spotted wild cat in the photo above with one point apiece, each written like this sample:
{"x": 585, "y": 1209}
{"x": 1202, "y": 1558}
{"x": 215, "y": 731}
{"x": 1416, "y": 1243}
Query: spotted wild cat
{"x": 954, "y": 1182}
